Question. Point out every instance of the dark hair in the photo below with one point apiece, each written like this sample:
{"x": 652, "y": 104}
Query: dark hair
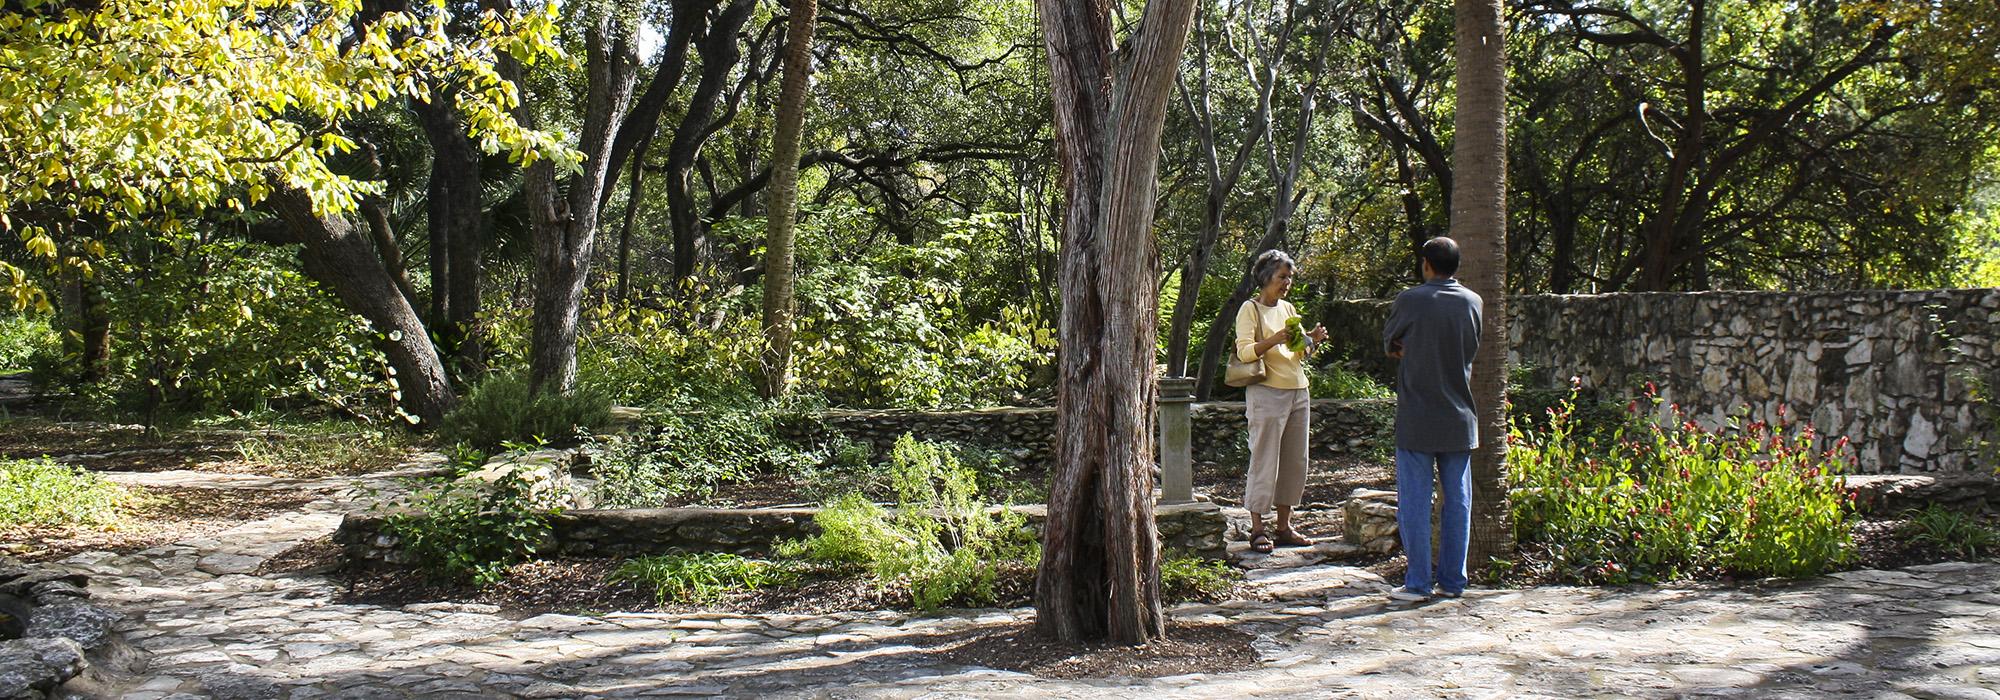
{"x": 1265, "y": 266}
{"x": 1442, "y": 254}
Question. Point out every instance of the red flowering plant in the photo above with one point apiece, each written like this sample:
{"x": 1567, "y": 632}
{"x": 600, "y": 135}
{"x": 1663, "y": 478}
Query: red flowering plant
{"x": 1666, "y": 498}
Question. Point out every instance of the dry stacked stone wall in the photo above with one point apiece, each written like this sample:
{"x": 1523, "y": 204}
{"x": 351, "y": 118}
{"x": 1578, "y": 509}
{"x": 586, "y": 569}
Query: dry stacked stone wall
{"x": 1026, "y": 434}
{"x": 1194, "y": 528}
{"x": 1909, "y": 376}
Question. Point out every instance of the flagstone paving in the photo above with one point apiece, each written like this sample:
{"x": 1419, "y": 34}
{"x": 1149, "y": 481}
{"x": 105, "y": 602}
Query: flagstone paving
{"x": 203, "y": 626}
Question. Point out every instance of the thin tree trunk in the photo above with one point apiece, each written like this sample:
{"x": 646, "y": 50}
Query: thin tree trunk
{"x": 384, "y": 237}
{"x": 93, "y": 327}
{"x": 1221, "y": 182}
{"x": 1479, "y": 223}
{"x": 778, "y": 302}
{"x": 625, "y": 231}
{"x": 1099, "y": 576}
{"x": 1661, "y": 260}
{"x": 1284, "y": 201}
{"x": 341, "y": 258}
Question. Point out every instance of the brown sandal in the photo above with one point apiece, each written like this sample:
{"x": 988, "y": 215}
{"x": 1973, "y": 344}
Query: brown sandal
{"x": 1260, "y": 543}
{"x": 1292, "y": 538}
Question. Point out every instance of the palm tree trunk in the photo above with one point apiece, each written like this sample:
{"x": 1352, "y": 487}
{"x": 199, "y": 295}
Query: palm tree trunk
{"x": 1479, "y": 223}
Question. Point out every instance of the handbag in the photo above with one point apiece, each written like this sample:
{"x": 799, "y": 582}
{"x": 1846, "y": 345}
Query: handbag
{"x": 1240, "y": 373}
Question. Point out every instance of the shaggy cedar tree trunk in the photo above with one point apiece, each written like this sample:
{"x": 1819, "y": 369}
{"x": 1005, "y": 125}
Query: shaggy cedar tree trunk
{"x": 1100, "y": 576}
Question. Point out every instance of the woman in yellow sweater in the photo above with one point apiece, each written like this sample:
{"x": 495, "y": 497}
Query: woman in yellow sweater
{"x": 1278, "y": 409}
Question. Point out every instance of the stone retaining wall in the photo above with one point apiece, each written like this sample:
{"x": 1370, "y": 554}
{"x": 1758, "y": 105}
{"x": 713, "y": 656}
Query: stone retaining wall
{"x": 1196, "y": 528}
{"x": 1026, "y": 433}
{"x": 51, "y": 629}
{"x": 1904, "y": 374}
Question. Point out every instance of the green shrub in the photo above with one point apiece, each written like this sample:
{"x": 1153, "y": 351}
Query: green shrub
{"x": 693, "y": 454}
{"x": 1336, "y": 381}
{"x": 1959, "y": 534}
{"x": 43, "y": 492}
{"x": 501, "y": 409}
{"x": 943, "y": 543}
{"x": 469, "y": 532}
{"x": 924, "y": 325}
{"x": 1666, "y": 501}
{"x": 1195, "y": 578}
{"x": 848, "y": 468}
{"x": 255, "y": 332}
{"x": 699, "y": 578}
{"x": 680, "y": 349}
{"x": 24, "y": 337}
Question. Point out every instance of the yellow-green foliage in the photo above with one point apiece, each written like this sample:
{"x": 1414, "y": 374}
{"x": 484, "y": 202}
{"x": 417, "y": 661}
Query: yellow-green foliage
{"x": 942, "y": 542}
{"x": 42, "y": 492}
{"x": 145, "y": 109}
{"x": 702, "y": 577}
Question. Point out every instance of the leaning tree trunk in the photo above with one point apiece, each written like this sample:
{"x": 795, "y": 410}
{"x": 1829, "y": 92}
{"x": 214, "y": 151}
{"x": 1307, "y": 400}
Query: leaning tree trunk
{"x": 340, "y": 257}
{"x": 778, "y": 302}
{"x": 719, "y": 52}
{"x": 565, "y": 219}
{"x": 1479, "y": 223}
{"x": 1100, "y": 575}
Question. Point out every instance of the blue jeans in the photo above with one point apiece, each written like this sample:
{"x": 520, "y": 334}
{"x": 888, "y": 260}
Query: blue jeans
{"x": 1414, "y": 471}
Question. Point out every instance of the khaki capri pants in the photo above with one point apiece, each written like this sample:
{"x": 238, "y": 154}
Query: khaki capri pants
{"x": 1280, "y": 420}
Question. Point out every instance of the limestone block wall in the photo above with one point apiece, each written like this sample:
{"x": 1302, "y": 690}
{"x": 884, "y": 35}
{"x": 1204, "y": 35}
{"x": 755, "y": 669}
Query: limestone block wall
{"x": 1909, "y": 376}
{"x": 1218, "y": 434}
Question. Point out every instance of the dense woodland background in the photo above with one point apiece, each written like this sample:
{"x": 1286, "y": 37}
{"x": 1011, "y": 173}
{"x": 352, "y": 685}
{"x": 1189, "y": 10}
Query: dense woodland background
{"x": 164, "y": 269}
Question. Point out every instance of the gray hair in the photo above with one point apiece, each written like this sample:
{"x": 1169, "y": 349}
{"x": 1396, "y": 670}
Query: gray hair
{"x": 1266, "y": 265}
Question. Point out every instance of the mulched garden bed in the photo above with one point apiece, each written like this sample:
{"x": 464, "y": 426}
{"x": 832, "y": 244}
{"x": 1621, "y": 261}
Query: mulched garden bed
{"x": 1187, "y": 648}
{"x": 159, "y": 515}
{"x": 580, "y": 586}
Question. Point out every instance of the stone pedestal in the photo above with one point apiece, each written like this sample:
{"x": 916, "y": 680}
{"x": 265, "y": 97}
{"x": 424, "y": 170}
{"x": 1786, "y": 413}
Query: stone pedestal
{"x": 1176, "y": 458}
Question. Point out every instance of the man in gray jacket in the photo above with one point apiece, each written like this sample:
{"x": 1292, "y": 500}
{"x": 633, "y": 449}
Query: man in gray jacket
{"x": 1434, "y": 329}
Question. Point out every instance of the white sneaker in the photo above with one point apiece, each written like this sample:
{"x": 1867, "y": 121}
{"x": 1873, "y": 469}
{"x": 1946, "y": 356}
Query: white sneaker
{"x": 1404, "y": 594}
{"x": 1442, "y": 593}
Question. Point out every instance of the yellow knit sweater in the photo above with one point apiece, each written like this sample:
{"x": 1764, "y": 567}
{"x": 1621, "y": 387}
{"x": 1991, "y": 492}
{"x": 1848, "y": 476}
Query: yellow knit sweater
{"x": 1281, "y": 366}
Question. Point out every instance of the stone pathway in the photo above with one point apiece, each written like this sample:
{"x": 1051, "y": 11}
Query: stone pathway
{"x": 204, "y": 627}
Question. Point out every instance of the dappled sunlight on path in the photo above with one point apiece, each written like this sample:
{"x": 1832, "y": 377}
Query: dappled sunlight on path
{"x": 205, "y": 625}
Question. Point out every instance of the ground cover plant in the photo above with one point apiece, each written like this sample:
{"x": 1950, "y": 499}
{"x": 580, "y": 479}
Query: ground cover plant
{"x": 503, "y": 409}
{"x": 700, "y": 577}
{"x": 42, "y": 492}
{"x": 1187, "y": 578}
{"x": 677, "y": 456}
{"x": 1661, "y": 501}
{"x": 1953, "y": 532}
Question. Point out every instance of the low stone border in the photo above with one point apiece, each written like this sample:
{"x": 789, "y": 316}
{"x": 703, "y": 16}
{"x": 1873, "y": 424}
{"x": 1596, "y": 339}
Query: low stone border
{"x": 61, "y": 627}
{"x": 1025, "y": 434}
{"x": 1196, "y": 528}
{"x": 1894, "y": 494}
